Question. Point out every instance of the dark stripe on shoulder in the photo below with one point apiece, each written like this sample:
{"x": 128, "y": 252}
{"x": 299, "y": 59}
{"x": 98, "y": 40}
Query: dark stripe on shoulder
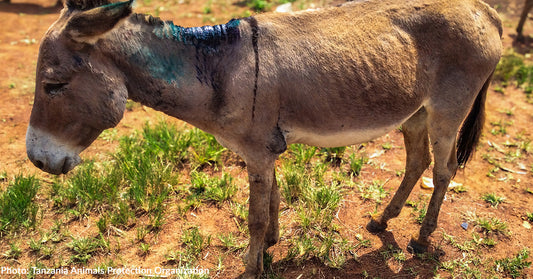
{"x": 255, "y": 35}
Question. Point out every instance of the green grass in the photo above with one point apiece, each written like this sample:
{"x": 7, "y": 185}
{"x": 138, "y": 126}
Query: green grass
{"x": 14, "y": 252}
{"x": 493, "y": 199}
{"x": 210, "y": 189}
{"x": 513, "y": 266}
{"x": 161, "y": 170}
{"x": 465, "y": 267}
{"x": 84, "y": 248}
{"x": 466, "y": 246}
{"x": 258, "y": 5}
{"x": 500, "y": 127}
{"x": 144, "y": 249}
{"x": 204, "y": 149}
{"x": 146, "y": 165}
{"x": 512, "y": 69}
{"x": 374, "y": 192}
{"x": 356, "y": 164}
{"x": 18, "y": 208}
{"x": 292, "y": 180}
{"x": 492, "y": 225}
{"x": 137, "y": 183}
{"x": 334, "y": 154}
{"x": 231, "y": 243}
{"x": 313, "y": 194}
{"x": 302, "y": 154}
{"x": 419, "y": 209}
{"x": 509, "y": 66}
{"x": 86, "y": 189}
{"x": 394, "y": 253}
{"x": 529, "y": 217}
{"x": 142, "y": 176}
{"x": 194, "y": 244}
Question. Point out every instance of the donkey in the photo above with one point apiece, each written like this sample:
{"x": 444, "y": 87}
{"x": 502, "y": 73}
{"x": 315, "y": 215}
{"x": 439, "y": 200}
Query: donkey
{"x": 328, "y": 77}
{"x": 525, "y": 12}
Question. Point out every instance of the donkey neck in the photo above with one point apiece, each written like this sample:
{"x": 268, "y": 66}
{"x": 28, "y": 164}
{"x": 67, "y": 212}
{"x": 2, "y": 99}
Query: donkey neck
{"x": 176, "y": 69}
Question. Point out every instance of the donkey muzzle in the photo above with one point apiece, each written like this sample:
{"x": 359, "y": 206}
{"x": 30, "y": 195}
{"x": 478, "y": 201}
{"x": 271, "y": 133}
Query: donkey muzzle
{"x": 50, "y": 154}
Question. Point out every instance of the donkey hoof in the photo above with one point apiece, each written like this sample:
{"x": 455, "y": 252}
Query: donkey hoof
{"x": 415, "y": 247}
{"x": 375, "y": 227}
{"x": 249, "y": 275}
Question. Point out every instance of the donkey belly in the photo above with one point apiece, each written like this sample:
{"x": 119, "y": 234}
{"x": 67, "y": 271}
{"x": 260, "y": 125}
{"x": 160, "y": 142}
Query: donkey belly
{"x": 337, "y": 138}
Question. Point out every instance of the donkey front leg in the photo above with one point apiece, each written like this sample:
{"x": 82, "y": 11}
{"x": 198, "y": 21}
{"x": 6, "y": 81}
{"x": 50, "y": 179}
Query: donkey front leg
{"x": 272, "y": 234}
{"x": 261, "y": 177}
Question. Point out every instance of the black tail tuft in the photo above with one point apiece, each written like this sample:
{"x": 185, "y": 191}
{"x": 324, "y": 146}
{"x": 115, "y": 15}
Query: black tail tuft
{"x": 472, "y": 127}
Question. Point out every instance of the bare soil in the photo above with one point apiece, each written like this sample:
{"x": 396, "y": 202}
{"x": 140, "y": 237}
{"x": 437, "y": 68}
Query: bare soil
{"x": 23, "y": 23}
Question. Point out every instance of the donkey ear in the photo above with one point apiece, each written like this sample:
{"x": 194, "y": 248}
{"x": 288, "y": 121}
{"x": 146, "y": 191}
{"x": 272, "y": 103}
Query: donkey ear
{"x": 87, "y": 26}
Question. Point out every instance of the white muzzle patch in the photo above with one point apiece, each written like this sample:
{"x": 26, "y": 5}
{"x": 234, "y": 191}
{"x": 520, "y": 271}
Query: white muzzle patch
{"x": 50, "y": 154}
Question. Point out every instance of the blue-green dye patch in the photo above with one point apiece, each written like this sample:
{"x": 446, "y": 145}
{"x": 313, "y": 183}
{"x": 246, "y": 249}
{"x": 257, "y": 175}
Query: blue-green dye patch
{"x": 165, "y": 61}
{"x": 118, "y": 4}
{"x": 159, "y": 63}
{"x": 204, "y": 37}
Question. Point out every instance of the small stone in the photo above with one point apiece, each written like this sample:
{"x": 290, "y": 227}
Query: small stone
{"x": 464, "y": 225}
{"x": 284, "y": 8}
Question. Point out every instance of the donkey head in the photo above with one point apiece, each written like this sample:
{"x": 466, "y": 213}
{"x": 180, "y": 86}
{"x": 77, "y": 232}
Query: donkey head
{"x": 79, "y": 92}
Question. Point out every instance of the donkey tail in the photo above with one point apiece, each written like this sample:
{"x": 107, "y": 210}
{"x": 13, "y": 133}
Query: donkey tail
{"x": 472, "y": 127}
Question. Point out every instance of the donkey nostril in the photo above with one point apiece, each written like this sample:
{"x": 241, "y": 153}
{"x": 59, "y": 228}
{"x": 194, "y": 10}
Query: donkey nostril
{"x": 39, "y": 164}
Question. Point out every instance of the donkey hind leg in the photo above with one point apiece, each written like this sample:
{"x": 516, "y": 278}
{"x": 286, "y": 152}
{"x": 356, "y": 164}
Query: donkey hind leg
{"x": 272, "y": 233}
{"x": 418, "y": 159}
{"x": 443, "y": 139}
{"x": 260, "y": 176}
{"x": 525, "y": 12}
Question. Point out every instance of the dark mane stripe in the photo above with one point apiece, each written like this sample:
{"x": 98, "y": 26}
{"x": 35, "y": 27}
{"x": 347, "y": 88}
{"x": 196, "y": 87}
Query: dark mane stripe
{"x": 209, "y": 35}
{"x": 83, "y": 5}
{"x": 205, "y": 36}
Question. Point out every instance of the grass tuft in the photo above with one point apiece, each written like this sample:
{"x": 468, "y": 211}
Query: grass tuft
{"x": 492, "y": 225}
{"x": 17, "y": 206}
{"x": 493, "y": 199}
{"x": 83, "y": 248}
{"x": 374, "y": 191}
{"x": 211, "y": 189}
{"x": 514, "y": 266}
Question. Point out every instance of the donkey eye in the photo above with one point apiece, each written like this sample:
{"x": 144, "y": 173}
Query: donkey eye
{"x": 54, "y": 88}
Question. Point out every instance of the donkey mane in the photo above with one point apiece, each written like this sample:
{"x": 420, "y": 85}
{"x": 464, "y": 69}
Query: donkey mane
{"x": 203, "y": 37}
{"x": 83, "y": 5}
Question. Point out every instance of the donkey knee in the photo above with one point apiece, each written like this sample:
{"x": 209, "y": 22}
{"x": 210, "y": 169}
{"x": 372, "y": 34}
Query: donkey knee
{"x": 258, "y": 226}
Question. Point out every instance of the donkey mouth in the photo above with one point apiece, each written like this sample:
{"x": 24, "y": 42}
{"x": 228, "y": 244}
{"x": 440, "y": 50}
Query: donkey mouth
{"x": 49, "y": 154}
{"x": 70, "y": 163}
{"x": 63, "y": 167}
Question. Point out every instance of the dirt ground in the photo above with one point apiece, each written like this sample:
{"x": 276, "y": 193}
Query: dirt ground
{"x": 23, "y": 23}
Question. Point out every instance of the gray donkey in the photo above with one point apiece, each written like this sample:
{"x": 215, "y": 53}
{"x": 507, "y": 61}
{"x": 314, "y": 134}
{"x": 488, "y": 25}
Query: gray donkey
{"x": 327, "y": 77}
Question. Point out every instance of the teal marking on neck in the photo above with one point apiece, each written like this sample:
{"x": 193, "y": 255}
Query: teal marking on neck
{"x": 205, "y": 36}
{"x": 164, "y": 62}
{"x": 159, "y": 63}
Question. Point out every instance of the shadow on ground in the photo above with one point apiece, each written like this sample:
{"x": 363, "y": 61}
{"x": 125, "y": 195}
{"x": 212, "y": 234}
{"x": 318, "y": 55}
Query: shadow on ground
{"x": 29, "y": 8}
{"x": 371, "y": 265}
